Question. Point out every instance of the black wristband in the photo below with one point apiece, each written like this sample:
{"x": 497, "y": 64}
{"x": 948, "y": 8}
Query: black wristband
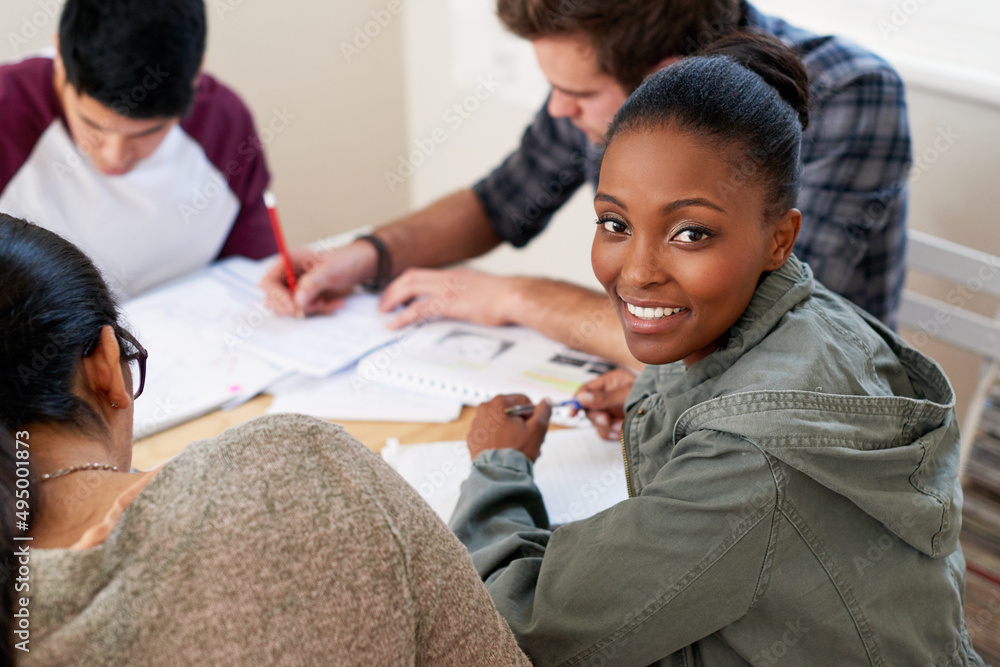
{"x": 383, "y": 272}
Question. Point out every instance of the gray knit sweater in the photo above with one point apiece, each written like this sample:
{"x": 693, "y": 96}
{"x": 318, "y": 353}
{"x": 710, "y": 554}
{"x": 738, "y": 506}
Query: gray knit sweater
{"x": 281, "y": 542}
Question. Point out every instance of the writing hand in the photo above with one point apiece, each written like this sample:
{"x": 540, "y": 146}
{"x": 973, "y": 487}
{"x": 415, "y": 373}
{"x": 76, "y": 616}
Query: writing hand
{"x": 492, "y": 428}
{"x": 325, "y": 277}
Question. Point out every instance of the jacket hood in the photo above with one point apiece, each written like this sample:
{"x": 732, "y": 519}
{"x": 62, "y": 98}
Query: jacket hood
{"x": 880, "y": 432}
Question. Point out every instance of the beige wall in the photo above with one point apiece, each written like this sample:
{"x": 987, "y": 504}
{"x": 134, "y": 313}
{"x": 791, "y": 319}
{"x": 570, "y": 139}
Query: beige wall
{"x": 345, "y": 120}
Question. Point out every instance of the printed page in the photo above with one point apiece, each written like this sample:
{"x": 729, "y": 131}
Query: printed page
{"x": 344, "y": 396}
{"x": 196, "y": 364}
{"x": 578, "y": 473}
{"x": 475, "y": 363}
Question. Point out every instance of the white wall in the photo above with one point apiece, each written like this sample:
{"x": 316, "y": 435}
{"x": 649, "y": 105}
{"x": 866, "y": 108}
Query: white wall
{"x": 949, "y": 56}
{"x": 348, "y": 116}
{"x": 449, "y": 45}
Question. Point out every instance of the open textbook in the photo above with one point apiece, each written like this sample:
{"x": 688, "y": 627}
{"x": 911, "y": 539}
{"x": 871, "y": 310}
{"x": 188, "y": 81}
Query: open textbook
{"x": 474, "y": 363}
{"x": 578, "y": 473}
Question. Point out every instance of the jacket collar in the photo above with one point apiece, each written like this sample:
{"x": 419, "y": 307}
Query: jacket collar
{"x": 781, "y": 291}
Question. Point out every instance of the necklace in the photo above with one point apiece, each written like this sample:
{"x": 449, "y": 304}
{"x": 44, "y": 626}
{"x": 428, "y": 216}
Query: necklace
{"x": 86, "y": 466}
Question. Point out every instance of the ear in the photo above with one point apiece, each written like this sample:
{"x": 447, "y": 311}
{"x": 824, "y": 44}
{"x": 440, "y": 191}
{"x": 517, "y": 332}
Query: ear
{"x": 666, "y": 62}
{"x": 782, "y": 239}
{"x": 58, "y": 66}
{"x": 102, "y": 375}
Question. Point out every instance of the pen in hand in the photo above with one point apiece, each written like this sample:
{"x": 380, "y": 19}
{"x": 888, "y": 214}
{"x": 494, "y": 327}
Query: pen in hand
{"x": 279, "y": 237}
{"x": 528, "y": 408}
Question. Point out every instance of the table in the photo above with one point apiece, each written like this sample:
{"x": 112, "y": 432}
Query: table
{"x": 154, "y": 450}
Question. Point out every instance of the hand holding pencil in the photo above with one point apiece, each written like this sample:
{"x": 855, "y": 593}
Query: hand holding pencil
{"x": 279, "y": 236}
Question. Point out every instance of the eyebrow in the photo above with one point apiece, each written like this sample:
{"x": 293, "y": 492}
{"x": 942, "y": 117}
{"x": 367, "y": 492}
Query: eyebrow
{"x": 573, "y": 93}
{"x": 144, "y": 133}
{"x": 600, "y": 196}
{"x": 669, "y": 208}
{"x": 694, "y": 201}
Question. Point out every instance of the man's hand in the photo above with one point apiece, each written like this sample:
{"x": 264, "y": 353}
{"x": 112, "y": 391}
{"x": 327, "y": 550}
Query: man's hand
{"x": 459, "y": 294}
{"x": 325, "y": 277}
{"x": 492, "y": 428}
{"x": 604, "y": 401}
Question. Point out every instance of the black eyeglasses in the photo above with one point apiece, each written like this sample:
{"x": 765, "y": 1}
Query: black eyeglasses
{"x": 137, "y": 355}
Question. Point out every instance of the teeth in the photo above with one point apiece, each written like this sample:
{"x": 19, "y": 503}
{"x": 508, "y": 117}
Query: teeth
{"x": 651, "y": 313}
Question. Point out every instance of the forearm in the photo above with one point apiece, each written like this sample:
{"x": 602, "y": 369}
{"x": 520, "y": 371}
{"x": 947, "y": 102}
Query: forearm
{"x": 573, "y": 315}
{"x": 450, "y": 230}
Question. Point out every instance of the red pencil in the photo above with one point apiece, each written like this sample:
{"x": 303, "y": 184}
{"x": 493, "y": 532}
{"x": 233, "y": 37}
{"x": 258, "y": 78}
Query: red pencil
{"x": 271, "y": 203}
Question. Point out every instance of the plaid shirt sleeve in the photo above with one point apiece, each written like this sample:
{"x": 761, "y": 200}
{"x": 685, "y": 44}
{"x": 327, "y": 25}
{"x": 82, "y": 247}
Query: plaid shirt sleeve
{"x": 856, "y": 154}
{"x": 521, "y": 195}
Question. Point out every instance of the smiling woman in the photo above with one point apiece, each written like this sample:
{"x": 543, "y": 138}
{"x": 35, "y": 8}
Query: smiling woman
{"x": 679, "y": 266}
{"x": 791, "y": 463}
{"x": 696, "y": 205}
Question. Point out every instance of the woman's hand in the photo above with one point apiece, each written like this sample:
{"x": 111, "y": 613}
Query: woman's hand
{"x": 492, "y": 428}
{"x": 604, "y": 401}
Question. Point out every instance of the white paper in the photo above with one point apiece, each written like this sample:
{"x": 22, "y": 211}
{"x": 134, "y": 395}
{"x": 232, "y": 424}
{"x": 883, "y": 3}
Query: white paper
{"x": 196, "y": 363}
{"x": 322, "y": 345}
{"x": 346, "y": 397}
{"x": 578, "y": 473}
{"x": 213, "y": 342}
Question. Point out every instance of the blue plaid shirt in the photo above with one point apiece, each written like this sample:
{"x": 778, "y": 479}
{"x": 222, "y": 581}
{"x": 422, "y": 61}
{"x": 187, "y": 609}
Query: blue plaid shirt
{"x": 856, "y": 154}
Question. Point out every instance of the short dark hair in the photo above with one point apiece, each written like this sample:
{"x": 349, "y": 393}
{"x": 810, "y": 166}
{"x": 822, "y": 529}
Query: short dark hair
{"x": 136, "y": 57}
{"x": 629, "y": 36}
{"x": 748, "y": 95}
{"x": 53, "y": 305}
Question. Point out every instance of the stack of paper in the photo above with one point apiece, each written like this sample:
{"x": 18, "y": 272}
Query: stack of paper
{"x": 578, "y": 473}
{"x": 213, "y": 342}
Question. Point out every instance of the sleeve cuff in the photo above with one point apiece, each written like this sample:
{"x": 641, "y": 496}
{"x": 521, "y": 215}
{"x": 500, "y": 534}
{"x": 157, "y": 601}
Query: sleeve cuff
{"x": 510, "y": 459}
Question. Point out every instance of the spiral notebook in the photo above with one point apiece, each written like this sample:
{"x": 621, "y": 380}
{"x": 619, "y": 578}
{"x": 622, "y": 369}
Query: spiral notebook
{"x": 474, "y": 363}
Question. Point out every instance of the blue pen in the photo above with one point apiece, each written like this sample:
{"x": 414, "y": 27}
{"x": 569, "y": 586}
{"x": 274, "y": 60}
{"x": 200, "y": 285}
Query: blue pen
{"x": 528, "y": 408}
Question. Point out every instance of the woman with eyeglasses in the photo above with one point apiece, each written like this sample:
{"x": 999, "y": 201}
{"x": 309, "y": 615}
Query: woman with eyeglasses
{"x": 281, "y": 541}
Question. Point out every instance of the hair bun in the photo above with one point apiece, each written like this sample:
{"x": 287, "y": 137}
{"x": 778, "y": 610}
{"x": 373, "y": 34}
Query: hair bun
{"x": 772, "y": 61}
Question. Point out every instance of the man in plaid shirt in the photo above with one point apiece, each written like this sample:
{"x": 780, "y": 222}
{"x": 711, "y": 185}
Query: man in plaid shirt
{"x": 856, "y": 155}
